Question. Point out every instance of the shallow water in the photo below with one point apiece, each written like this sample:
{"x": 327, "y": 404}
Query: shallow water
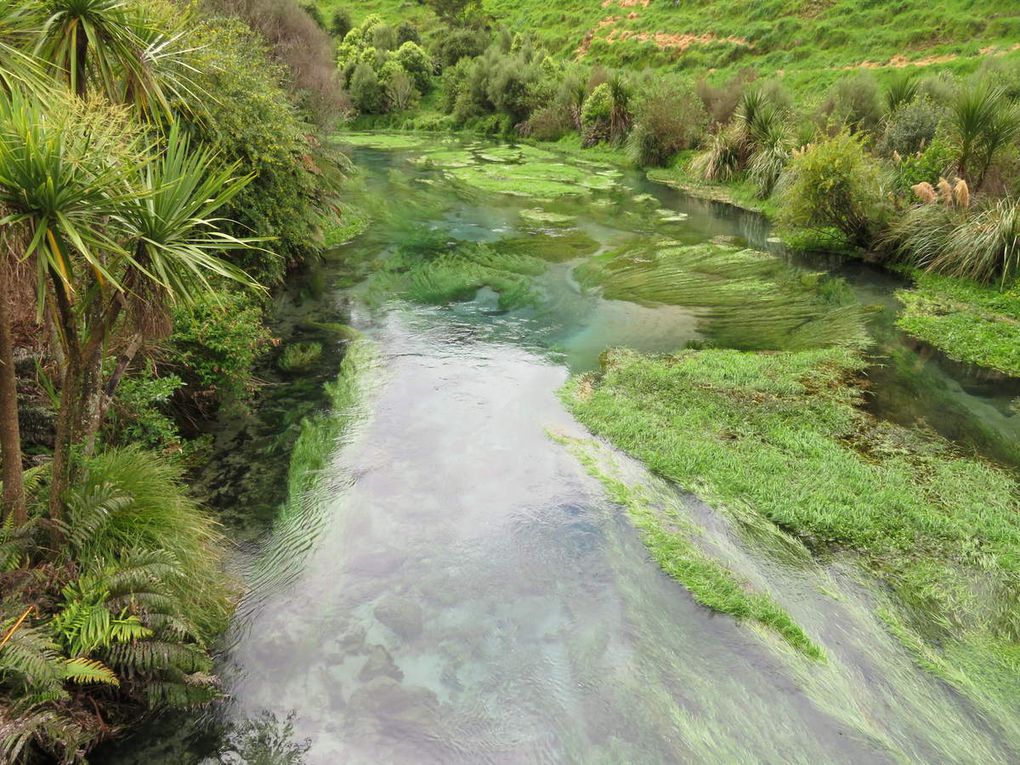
{"x": 463, "y": 591}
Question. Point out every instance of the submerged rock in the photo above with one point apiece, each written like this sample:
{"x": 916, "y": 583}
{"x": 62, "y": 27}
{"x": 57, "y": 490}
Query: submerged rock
{"x": 402, "y": 615}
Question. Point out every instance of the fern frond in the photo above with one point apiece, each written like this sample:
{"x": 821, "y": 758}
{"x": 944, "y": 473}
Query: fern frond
{"x": 86, "y": 671}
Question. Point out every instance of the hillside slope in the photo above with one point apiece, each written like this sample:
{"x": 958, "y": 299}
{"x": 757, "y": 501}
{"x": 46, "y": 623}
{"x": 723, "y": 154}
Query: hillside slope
{"x": 807, "y": 42}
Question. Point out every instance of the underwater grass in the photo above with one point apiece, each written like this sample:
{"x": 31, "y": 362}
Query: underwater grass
{"x": 321, "y": 432}
{"x": 298, "y": 357}
{"x": 782, "y": 433}
{"x": 749, "y": 299}
{"x": 392, "y": 141}
{"x": 436, "y": 273}
{"x": 711, "y": 584}
{"x": 548, "y": 246}
{"x": 965, "y": 320}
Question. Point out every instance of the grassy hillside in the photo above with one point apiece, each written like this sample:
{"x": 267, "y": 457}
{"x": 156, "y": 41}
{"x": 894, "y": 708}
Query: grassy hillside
{"x": 807, "y": 42}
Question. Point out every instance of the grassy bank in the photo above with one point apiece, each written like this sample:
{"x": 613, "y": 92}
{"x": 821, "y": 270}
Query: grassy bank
{"x": 966, "y": 321}
{"x": 781, "y": 435}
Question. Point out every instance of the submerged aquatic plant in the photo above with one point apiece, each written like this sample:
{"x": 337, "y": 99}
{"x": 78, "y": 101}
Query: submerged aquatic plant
{"x": 748, "y": 299}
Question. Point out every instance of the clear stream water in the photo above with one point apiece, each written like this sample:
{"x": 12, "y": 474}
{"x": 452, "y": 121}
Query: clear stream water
{"x": 462, "y": 591}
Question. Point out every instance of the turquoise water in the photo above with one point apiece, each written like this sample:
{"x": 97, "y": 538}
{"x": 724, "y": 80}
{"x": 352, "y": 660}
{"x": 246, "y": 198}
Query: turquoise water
{"x": 462, "y": 591}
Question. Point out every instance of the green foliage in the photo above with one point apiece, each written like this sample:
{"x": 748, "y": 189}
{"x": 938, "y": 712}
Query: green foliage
{"x": 252, "y": 122}
{"x": 367, "y": 93}
{"x": 965, "y": 320}
{"x": 417, "y": 63}
{"x": 134, "y": 598}
{"x": 141, "y": 411}
{"x": 937, "y": 160}
{"x": 215, "y": 343}
{"x": 668, "y": 119}
{"x": 298, "y": 357}
{"x": 834, "y": 183}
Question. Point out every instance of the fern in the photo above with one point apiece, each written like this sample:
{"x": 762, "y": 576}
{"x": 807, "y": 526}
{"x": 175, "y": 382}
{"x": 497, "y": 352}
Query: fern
{"x": 86, "y": 671}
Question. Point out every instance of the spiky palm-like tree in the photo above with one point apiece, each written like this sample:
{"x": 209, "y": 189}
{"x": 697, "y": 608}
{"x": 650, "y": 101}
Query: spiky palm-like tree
{"x": 984, "y": 121}
{"x": 117, "y": 45}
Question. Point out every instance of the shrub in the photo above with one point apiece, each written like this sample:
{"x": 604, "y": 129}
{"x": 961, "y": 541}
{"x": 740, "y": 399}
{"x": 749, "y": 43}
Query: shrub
{"x": 856, "y": 102}
{"x": 668, "y": 121}
{"x": 140, "y": 413}
{"x": 401, "y": 94}
{"x": 367, "y": 93}
{"x": 910, "y": 127}
{"x": 549, "y": 123}
{"x": 408, "y": 32}
{"x": 417, "y": 63}
{"x": 834, "y": 184}
{"x": 721, "y": 101}
{"x": 595, "y": 115}
{"x": 215, "y": 344}
{"x": 250, "y": 121}
{"x": 452, "y": 45}
{"x": 340, "y": 23}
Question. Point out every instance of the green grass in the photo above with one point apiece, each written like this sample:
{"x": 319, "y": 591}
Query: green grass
{"x": 667, "y": 536}
{"x": 782, "y": 435}
{"x": 806, "y": 43}
{"x": 966, "y": 321}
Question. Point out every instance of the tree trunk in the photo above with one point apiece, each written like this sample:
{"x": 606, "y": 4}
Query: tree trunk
{"x": 81, "y": 59}
{"x": 13, "y": 504}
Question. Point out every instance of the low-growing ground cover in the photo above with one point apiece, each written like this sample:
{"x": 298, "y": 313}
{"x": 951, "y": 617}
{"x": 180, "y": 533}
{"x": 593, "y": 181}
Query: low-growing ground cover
{"x": 964, "y": 320}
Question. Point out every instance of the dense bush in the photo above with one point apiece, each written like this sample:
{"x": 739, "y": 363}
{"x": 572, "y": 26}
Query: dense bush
{"x": 856, "y": 102}
{"x": 215, "y": 344}
{"x": 457, "y": 44}
{"x": 140, "y": 595}
{"x": 668, "y": 119}
{"x": 250, "y": 121}
{"x": 834, "y": 184}
{"x": 301, "y": 45}
{"x": 910, "y": 127}
{"x": 368, "y": 94}
{"x": 340, "y": 23}
{"x": 417, "y": 63}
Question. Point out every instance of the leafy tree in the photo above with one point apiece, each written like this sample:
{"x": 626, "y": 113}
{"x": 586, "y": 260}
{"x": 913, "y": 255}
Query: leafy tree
{"x": 340, "y": 23}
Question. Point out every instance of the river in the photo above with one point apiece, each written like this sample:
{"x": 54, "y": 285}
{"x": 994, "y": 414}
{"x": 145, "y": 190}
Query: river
{"x": 461, "y": 590}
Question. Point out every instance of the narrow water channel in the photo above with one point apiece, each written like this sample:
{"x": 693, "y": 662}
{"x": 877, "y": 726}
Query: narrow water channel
{"x": 462, "y": 591}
